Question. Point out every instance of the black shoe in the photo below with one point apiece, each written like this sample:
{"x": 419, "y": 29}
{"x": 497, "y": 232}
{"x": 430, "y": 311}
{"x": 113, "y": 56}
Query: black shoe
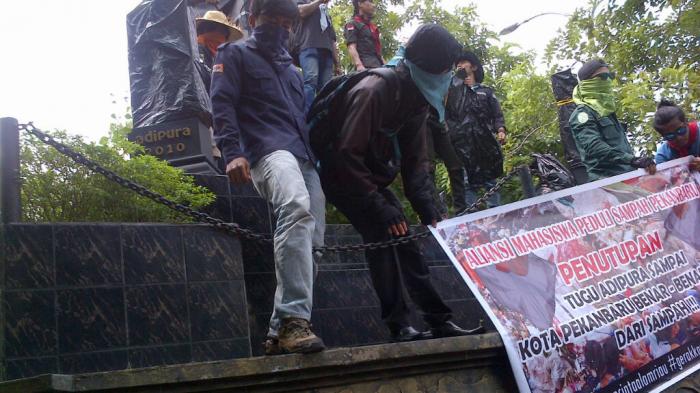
{"x": 407, "y": 333}
{"x": 449, "y": 329}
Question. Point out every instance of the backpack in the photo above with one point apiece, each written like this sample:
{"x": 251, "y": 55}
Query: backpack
{"x": 321, "y": 133}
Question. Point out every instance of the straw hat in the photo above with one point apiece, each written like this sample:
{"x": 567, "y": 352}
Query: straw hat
{"x": 218, "y": 17}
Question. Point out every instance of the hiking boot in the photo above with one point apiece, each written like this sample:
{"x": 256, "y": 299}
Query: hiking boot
{"x": 295, "y": 336}
{"x": 272, "y": 346}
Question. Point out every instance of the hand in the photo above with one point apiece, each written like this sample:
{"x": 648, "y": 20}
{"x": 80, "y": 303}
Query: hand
{"x": 393, "y": 219}
{"x": 429, "y": 215}
{"x": 360, "y": 67}
{"x": 238, "y": 171}
{"x": 400, "y": 229}
{"x": 337, "y": 69}
{"x": 695, "y": 164}
{"x": 644, "y": 162}
{"x": 501, "y": 136}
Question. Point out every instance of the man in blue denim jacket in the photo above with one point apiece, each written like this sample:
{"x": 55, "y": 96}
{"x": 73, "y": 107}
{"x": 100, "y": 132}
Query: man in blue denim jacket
{"x": 258, "y": 107}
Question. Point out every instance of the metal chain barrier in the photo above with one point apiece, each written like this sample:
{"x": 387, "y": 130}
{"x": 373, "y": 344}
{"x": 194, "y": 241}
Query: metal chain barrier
{"x": 503, "y": 180}
{"x": 233, "y": 228}
{"x": 141, "y": 190}
{"x": 524, "y": 140}
{"x": 406, "y": 239}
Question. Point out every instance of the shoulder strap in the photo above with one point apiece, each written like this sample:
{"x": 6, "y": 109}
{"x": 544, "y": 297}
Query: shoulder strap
{"x": 390, "y": 76}
{"x": 341, "y": 84}
{"x": 391, "y": 132}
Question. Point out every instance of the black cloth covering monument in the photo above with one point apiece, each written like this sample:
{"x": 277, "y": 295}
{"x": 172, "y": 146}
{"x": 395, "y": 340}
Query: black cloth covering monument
{"x": 165, "y": 83}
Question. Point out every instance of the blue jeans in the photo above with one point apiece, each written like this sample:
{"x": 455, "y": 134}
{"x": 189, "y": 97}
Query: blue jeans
{"x": 293, "y": 188}
{"x": 317, "y": 67}
{"x": 473, "y": 189}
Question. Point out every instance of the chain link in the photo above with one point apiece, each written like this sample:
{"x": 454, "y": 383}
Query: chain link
{"x": 406, "y": 239}
{"x": 232, "y": 228}
{"x": 524, "y": 140}
{"x": 488, "y": 194}
{"x": 141, "y": 190}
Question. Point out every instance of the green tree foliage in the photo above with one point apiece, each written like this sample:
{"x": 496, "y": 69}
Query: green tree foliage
{"x": 56, "y": 189}
{"x": 531, "y": 116}
{"x": 463, "y": 23}
{"x": 652, "y": 45}
{"x": 634, "y": 35}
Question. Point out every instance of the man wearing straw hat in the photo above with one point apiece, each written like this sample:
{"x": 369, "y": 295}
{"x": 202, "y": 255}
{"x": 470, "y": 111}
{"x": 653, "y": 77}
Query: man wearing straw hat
{"x": 213, "y": 29}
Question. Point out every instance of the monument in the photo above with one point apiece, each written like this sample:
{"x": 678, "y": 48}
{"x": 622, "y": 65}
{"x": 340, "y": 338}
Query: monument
{"x": 171, "y": 106}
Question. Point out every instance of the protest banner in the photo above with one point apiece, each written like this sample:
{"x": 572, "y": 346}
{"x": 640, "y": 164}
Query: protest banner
{"x": 594, "y": 288}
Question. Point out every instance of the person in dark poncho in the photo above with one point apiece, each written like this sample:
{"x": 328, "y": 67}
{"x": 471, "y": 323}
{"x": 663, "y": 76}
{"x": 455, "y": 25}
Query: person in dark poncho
{"x": 477, "y": 127}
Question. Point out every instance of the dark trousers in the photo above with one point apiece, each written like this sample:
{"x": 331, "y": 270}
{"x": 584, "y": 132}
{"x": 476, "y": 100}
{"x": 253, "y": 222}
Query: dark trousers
{"x": 440, "y": 146}
{"x": 389, "y": 275}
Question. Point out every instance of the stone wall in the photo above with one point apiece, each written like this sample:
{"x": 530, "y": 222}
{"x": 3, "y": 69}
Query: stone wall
{"x": 346, "y": 309}
{"x": 455, "y": 365}
{"x": 81, "y": 298}
{"x": 94, "y": 297}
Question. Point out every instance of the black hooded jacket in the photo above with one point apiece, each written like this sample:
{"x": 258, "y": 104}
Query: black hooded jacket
{"x": 363, "y": 159}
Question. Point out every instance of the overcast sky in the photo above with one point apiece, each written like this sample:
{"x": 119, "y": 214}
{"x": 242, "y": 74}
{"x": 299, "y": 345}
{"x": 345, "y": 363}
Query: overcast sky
{"x": 64, "y": 62}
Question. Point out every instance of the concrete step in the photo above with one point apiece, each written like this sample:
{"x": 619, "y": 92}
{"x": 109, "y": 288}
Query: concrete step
{"x": 462, "y": 364}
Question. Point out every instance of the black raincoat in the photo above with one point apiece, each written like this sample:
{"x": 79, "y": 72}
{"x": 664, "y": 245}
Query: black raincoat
{"x": 473, "y": 117}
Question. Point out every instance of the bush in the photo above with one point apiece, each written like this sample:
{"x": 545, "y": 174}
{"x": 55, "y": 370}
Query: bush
{"x": 56, "y": 189}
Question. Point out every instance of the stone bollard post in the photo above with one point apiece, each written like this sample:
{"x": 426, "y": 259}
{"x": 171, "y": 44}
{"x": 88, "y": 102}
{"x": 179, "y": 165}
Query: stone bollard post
{"x": 10, "y": 205}
{"x": 526, "y": 181}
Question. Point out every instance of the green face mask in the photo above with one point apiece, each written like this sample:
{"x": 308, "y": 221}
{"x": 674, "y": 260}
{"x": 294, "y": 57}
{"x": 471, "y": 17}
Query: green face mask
{"x": 597, "y": 94}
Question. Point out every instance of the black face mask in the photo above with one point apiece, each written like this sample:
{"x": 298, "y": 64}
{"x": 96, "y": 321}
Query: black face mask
{"x": 461, "y": 73}
{"x": 272, "y": 39}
